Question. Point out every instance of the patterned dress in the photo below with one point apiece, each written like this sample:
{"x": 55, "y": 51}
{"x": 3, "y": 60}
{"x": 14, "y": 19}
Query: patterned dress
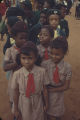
{"x": 31, "y": 108}
{"x": 56, "y": 99}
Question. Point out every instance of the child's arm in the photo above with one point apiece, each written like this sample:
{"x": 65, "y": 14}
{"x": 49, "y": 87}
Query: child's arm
{"x": 66, "y": 84}
{"x": 17, "y": 113}
{"x": 10, "y": 66}
{"x": 45, "y": 95}
{"x": 64, "y": 87}
{"x": 8, "y": 63}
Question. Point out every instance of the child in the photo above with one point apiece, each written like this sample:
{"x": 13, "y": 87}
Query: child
{"x": 38, "y": 5}
{"x": 11, "y": 15}
{"x": 53, "y": 20}
{"x": 20, "y": 34}
{"x": 59, "y": 73}
{"x": 11, "y": 21}
{"x": 45, "y": 36}
{"x": 48, "y": 4}
{"x": 28, "y": 84}
{"x": 63, "y": 23}
{"x": 34, "y": 31}
{"x": 77, "y": 10}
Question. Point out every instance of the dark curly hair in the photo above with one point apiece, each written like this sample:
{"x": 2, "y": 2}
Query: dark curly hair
{"x": 60, "y": 42}
{"x": 50, "y": 29}
{"x": 26, "y": 49}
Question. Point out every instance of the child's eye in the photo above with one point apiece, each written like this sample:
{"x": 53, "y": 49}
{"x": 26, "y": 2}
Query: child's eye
{"x": 23, "y": 58}
{"x": 45, "y": 34}
{"x": 30, "y": 58}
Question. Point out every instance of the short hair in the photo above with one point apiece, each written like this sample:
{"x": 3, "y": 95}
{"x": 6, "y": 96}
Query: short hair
{"x": 27, "y": 4}
{"x": 26, "y": 49}
{"x": 19, "y": 26}
{"x": 53, "y": 11}
{"x": 12, "y": 20}
{"x": 15, "y": 11}
{"x": 44, "y": 10}
{"x": 50, "y": 29}
{"x": 50, "y": 2}
{"x": 29, "y": 47}
{"x": 40, "y": 1}
{"x": 60, "y": 42}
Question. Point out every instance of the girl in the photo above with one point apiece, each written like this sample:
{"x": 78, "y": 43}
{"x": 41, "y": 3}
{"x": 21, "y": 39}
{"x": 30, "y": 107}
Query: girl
{"x": 59, "y": 73}
{"x": 20, "y": 34}
{"x": 13, "y": 15}
{"x": 11, "y": 21}
{"x": 63, "y": 23}
{"x": 28, "y": 83}
{"x": 53, "y": 20}
{"x": 34, "y": 31}
{"x": 45, "y": 36}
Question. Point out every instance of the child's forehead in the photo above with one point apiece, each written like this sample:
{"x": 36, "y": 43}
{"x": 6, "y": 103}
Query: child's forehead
{"x": 42, "y": 13}
{"x": 53, "y": 16}
{"x": 28, "y": 54}
{"x": 44, "y": 30}
{"x": 21, "y": 34}
{"x": 56, "y": 50}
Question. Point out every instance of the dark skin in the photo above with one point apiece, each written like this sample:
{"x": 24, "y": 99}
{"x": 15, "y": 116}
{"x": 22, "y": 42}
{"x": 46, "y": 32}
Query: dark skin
{"x": 54, "y": 20}
{"x": 43, "y": 18}
{"x": 57, "y": 55}
{"x": 44, "y": 37}
{"x": 20, "y": 39}
{"x": 28, "y": 63}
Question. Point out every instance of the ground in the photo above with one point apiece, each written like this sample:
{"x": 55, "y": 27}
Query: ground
{"x": 72, "y": 96}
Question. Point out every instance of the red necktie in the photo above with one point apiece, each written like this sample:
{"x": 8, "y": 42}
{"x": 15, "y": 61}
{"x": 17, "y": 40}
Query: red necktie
{"x": 46, "y": 54}
{"x": 30, "y": 85}
{"x": 56, "y": 75}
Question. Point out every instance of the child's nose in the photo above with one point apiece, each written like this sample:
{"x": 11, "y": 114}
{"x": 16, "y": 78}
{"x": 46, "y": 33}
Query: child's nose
{"x": 26, "y": 61}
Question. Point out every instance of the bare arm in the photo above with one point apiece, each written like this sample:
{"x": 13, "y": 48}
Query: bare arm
{"x": 10, "y": 66}
{"x": 45, "y": 95}
{"x": 17, "y": 113}
{"x": 64, "y": 87}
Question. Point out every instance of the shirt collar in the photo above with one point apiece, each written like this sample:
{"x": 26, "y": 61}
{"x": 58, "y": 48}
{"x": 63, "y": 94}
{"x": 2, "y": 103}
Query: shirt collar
{"x": 43, "y": 48}
{"x": 26, "y": 72}
{"x": 60, "y": 64}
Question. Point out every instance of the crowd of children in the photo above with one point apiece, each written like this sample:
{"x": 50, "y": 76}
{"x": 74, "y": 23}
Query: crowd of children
{"x": 37, "y": 42}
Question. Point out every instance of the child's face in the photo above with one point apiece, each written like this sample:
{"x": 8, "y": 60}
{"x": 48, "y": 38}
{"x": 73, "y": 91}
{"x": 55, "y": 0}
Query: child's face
{"x": 54, "y": 20}
{"x": 44, "y": 36}
{"x": 46, "y": 5}
{"x": 38, "y": 5}
{"x": 20, "y": 39}
{"x": 28, "y": 60}
{"x": 56, "y": 55}
{"x": 43, "y": 18}
{"x": 63, "y": 12}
